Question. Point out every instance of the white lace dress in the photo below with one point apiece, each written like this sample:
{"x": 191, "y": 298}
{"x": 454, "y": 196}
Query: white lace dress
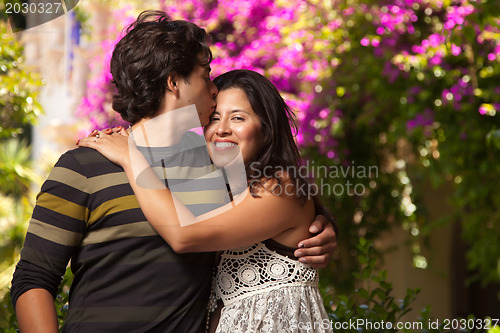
{"x": 264, "y": 291}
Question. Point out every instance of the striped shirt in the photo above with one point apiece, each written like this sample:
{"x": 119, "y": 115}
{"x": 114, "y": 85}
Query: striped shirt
{"x": 126, "y": 277}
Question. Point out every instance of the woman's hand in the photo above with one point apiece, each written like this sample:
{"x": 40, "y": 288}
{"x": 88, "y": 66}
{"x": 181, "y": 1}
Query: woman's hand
{"x": 112, "y": 143}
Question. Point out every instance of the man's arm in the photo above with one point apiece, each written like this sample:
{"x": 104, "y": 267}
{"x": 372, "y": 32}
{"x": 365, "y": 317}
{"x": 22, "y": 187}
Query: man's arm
{"x": 36, "y": 312}
{"x": 33, "y": 291}
{"x": 54, "y": 234}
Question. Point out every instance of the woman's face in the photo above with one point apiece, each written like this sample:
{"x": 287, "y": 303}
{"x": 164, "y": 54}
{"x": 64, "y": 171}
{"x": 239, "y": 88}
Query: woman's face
{"x": 232, "y": 128}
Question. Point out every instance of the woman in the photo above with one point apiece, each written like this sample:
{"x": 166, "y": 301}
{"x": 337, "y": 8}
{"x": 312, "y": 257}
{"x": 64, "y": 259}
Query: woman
{"x": 263, "y": 287}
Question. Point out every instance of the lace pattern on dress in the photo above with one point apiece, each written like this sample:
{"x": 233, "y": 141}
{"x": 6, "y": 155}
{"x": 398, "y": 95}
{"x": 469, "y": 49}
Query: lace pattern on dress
{"x": 256, "y": 269}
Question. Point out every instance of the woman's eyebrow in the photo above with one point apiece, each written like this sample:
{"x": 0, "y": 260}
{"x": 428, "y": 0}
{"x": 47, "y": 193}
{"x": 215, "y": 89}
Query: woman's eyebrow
{"x": 239, "y": 110}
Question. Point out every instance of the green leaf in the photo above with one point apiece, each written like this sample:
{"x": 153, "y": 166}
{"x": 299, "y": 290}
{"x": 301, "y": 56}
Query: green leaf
{"x": 493, "y": 138}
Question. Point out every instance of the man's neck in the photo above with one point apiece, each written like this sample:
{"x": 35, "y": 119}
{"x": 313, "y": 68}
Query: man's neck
{"x": 166, "y": 128}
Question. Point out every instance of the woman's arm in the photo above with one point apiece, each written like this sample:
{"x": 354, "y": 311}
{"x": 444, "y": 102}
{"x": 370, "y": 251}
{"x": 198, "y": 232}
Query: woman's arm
{"x": 250, "y": 221}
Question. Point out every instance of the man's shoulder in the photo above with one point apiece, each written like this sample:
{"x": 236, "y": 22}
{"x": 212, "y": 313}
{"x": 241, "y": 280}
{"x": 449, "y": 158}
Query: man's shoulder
{"x": 194, "y": 138}
{"x": 86, "y": 160}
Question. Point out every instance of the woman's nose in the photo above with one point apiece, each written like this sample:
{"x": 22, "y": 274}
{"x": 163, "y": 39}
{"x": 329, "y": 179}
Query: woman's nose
{"x": 223, "y": 128}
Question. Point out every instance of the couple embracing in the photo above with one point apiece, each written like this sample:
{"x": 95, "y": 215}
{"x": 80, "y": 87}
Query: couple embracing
{"x": 140, "y": 212}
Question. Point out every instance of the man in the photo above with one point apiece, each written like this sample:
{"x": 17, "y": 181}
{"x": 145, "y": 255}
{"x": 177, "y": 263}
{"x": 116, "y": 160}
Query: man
{"x": 127, "y": 279}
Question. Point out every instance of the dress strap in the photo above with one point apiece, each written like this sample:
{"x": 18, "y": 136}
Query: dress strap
{"x": 284, "y": 250}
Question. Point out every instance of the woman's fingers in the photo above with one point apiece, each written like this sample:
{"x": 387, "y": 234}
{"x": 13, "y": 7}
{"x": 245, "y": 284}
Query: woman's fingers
{"x": 114, "y": 147}
{"x": 118, "y": 129}
{"x": 93, "y": 136}
{"x": 96, "y": 134}
{"x": 93, "y": 133}
{"x": 121, "y": 130}
{"x": 91, "y": 140}
{"x": 109, "y": 131}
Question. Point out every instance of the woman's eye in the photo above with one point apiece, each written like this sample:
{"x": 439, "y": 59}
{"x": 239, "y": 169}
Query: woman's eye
{"x": 238, "y": 118}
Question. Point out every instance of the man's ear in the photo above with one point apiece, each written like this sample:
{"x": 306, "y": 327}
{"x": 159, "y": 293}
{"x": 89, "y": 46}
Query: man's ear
{"x": 172, "y": 84}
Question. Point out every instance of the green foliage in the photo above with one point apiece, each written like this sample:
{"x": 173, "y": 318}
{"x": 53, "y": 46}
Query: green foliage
{"x": 495, "y": 329}
{"x": 373, "y": 301}
{"x": 18, "y": 90}
{"x": 15, "y": 168}
{"x": 373, "y": 308}
{"x": 16, "y": 203}
{"x": 19, "y": 109}
{"x": 62, "y": 298}
{"x": 421, "y": 118}
{"x": 8, "y": 321}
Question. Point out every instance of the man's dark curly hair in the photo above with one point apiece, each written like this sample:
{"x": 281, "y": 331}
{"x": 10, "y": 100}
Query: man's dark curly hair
{"x": 154, "y": 48}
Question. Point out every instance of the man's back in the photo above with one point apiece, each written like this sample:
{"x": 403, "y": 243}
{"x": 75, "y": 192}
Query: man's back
{"x": 127, "y": 279}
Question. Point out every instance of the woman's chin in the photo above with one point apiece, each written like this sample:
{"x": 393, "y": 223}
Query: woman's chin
{"x": 222, "y": 160}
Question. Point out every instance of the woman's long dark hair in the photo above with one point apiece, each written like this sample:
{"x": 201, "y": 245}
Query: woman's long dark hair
{"x": 278, "y": 151}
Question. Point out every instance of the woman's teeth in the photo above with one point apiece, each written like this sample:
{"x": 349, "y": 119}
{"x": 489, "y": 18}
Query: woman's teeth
{"x": 225, "y": 144}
